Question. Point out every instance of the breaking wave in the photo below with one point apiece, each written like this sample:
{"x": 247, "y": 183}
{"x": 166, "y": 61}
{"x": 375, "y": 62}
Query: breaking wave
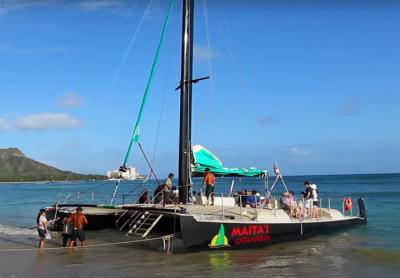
{"x": 11, "y": 230}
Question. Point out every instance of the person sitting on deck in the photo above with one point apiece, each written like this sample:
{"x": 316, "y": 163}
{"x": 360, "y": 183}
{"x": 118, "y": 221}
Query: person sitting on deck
{"x": 294, "y": 208}
{"x": 289, "y": 203}
{"x": 243, "y": 195}
{"x": 254, "y": 199}
{"x": 285, "y": 200}
{"x": 157, "y": 195}
{"x": 172, "y": 196}
{"x": 168, "y": 181}
{"x": 144, "y": 197}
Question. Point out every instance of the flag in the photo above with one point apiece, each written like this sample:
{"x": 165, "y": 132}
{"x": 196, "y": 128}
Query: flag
{"x": 276, "y": 170}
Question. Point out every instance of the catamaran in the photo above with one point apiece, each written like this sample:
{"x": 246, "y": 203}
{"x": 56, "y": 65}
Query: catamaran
{"x": 228, "y": 223}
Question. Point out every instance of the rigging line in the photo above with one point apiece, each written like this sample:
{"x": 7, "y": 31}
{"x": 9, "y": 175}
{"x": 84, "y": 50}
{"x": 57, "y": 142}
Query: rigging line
{"x": 88, "y": 246}
{"x": 230, "y": 52}
{"x": 128, "y": 49}
{"x": 162, "y": 107}
{"x": 137, "y": 187}
{"x": 148, "y": 163}
{"x": 210, "y": 68}
{"x": 135, "y": 136}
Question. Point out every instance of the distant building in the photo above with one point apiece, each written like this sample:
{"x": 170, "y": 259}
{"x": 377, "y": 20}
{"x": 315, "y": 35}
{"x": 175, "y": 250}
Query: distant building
{"x": 130, "y": 174}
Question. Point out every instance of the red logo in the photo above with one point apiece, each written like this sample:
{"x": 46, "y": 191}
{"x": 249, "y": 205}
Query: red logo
{"x": 250, "y": 234}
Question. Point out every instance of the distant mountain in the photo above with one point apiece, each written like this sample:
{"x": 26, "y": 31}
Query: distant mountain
{"x": 15, "y": 166}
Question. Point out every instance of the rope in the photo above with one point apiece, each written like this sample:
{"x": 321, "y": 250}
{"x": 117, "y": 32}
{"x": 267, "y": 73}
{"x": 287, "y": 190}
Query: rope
{"x": 148, "y": 163}
{"x": 210, "y": 68}
{"x": 135, "y": 136}
{"x": 133, "y": 39}
{"x": 89, "y": 246}
{"x": 162, "y": 106}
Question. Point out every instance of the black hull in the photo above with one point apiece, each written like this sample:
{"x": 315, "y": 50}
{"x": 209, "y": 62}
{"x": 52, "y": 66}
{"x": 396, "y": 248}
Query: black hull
{"x": 196, "y": 234}
{"x": 169, "y": 223}
{"x": 204, "y": 234}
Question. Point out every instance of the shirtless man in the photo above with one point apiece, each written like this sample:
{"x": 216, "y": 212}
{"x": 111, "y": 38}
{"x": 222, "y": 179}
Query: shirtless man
{"x": 209, "y": 181}
{"x": 78, "y": 220}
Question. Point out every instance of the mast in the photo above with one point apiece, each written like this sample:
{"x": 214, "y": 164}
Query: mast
{"x": 186, "y": 100}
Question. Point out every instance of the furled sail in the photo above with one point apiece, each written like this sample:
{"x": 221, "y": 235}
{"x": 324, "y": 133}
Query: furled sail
{"x": 203, "y": 158}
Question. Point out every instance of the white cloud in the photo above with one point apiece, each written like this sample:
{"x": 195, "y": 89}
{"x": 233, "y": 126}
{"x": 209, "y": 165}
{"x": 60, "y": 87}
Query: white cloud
{"x": 94, "y": 5}
{"x": 7, "y": 6}
{"x": 47, "y": 121}
{"x": 4, "y": 125}
{"x": 299, "y": 151}
{"x": 71, "y": 100}
{"x": 203, "y": 53}
{"x": 12, "y": 5}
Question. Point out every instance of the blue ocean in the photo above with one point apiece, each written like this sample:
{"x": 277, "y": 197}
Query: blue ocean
{"x": 367, "y": 250}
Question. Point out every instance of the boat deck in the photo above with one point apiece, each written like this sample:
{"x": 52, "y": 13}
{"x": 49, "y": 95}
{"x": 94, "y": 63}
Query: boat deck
{"x": 88, "y": 210}
{"x": 236, "y": 213}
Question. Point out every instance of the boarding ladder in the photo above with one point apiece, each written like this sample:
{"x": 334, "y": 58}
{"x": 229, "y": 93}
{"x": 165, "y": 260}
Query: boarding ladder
{"x": 141, "y": 222}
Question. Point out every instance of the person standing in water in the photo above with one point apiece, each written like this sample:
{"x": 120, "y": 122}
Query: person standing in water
{"x": 67, "y": 230}
{"x": 78, "y": 220}
{"x": 41, "y": 222}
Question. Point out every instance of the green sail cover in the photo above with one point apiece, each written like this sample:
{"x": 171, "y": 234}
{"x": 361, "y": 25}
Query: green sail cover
{"x": 203, "y": 159}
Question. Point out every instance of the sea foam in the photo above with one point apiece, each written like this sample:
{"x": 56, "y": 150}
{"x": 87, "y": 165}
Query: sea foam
{"x": 12, "y": 230}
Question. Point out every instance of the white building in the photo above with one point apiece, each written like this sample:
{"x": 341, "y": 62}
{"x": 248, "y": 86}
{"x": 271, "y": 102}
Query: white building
{"x": 130, "y": 174}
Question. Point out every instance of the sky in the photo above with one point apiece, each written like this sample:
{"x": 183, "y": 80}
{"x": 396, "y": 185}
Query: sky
{"x": 311, "y": 85}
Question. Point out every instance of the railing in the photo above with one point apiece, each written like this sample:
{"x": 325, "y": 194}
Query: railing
{"x": 307, "y": 209}
{"x": 325, "y": 207}
{"x": 153, "y": 201}
{"x": 225, "y": 208}
{"x": 97, "y": 197}
{"x": 105, "y": 197}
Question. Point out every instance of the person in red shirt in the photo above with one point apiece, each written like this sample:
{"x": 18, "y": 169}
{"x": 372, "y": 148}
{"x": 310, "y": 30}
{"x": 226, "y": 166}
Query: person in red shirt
{"x": 209, "y": 181}
{"x": 78, "y": 220}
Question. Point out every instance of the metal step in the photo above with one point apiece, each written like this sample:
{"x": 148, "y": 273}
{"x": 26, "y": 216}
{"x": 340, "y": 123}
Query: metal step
{"x": 145, "y": 224}
{"x": 120, "y": 217}
{"x": 133, "y": 218}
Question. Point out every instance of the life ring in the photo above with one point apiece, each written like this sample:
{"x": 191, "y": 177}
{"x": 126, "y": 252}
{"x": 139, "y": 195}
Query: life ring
{"x": 348, "y": 204}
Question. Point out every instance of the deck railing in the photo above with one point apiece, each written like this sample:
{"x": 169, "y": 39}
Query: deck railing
{"x": 323, "y": 210}
{"x": 325, "y": 204}
{"x": 97, "y": 197}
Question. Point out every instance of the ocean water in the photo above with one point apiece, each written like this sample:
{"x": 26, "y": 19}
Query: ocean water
{"x": 368, "y": 250}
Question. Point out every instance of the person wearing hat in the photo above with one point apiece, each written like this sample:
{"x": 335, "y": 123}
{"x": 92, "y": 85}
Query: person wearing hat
{"x": 307, "y": 198}
{"x": 311, "y": 196}
{"x": 314, "y": 197}
{"x": 209, "y": 181}
{"x": 78, "y": 220}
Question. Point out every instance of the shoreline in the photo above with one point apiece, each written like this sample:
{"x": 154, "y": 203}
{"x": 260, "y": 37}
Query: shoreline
{"x": 47, "y": 181}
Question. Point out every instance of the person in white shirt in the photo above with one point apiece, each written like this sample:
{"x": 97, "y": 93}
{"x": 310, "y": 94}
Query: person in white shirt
{"x": 41, "y": 222}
